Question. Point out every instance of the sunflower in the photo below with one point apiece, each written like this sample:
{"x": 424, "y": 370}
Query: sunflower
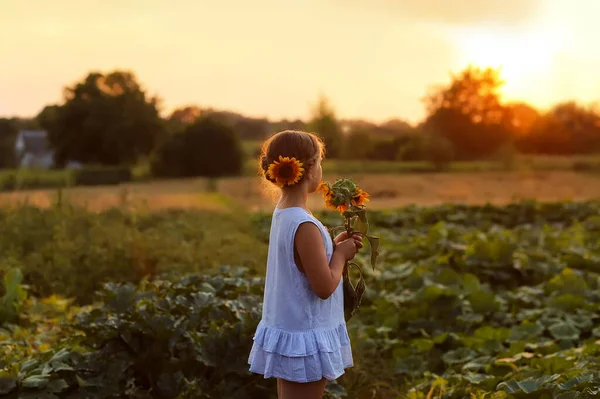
{"x": 327, "y": 193}
{"x": 286, "y": 171}
{"x": 360, "y": 197}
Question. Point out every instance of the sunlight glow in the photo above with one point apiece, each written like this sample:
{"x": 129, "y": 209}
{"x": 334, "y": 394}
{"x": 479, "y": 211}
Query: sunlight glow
{"x": 525, "y": 58}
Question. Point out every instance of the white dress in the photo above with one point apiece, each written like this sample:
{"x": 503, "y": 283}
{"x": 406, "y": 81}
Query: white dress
{"x": 301, "y": 337}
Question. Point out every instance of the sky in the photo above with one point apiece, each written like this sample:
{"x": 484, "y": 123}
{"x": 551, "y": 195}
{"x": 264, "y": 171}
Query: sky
{"x": 373, "y": 59}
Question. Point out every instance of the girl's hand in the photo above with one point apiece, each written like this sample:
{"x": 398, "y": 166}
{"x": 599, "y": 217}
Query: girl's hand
{"x": 344, "y": 236}
{"x": 349, "y": 247}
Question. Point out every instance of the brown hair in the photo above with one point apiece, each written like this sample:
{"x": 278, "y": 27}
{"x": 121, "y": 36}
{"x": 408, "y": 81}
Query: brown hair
{"x": 305, "y": 147}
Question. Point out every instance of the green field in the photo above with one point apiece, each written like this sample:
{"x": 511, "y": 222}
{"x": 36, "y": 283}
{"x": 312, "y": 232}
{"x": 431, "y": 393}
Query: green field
{"x": 467, "y": 302}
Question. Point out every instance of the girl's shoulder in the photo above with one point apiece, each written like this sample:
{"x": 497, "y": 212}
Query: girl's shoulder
{"x": 295, "y": 215}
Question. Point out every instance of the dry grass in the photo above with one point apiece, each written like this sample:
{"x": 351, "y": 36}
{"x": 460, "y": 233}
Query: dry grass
{"x": 387, "y": 191}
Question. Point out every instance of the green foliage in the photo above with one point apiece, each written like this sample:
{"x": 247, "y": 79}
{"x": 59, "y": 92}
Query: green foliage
{"x": 181, "y": 339}
{"x": 476, "y": 302}
{"x": 24, "y": 179}
{"x": 93, "y": 176}
{"x": 439, "y": 151}
{"x": 13, "y": 298}
{"x": 358, "y": 144}
{"x": 8, "y": 134}
{"x": 205, "y": 148}
{"x": 326, "y": 126}
{"x": 105, "y": 119}
{"x": 72, "y": 252}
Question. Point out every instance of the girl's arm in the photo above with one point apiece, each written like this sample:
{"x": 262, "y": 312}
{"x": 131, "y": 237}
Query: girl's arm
{"x": 324, "y": 277}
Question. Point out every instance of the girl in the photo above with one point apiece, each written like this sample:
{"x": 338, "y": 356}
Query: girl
{"x": 301, "y": 339}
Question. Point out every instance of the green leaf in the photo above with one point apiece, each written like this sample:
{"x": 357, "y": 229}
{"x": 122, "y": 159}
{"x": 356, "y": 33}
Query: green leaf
{"x": 431, "y": 293}
{"x": 552, "y": 364}
{"x": 423, "y": 344}
{"x": 361, "y": 224}
{"x": 527, "y": 386}
{"x": 483, "y": 302}
{"x": 470, "y": 283}
{"x": 60, "y": 366}
{"x": 477, "y": 379}
{"x": 374, "y": 244}
{"x": 35, "y": 381}
{"x": 564, "y": 331}
{"x": 28, "y": 365}
{"x": 459, "y": 356}
{"x": 581, "y": 379}
{"x": 478, "y": 364}
{"x": 409, "y": 365}
{"x": 525, "y": 332}
{"x": 60, "y": 356}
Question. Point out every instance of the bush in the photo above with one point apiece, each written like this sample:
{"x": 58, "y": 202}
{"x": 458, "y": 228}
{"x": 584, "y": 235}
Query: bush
{"x": 72, "y": 252}
{"x": 413, "y": 149}
{"x": 23, "y": 179}
{"x": 207, "y": 148}
{"x": 506, "y": 155}
{"x": 439, "y": 151}
{"x": 357, "y": 145}
{"x": 102, "y": 175}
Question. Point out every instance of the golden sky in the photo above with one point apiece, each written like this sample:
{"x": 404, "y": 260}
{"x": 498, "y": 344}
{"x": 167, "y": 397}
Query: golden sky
{"x": 374, "y": 59}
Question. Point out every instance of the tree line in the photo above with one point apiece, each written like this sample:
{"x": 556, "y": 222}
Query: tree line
{"x": 109, "y": 119}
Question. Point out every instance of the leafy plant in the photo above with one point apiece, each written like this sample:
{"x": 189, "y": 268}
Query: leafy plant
{"x": 13, "y": 298}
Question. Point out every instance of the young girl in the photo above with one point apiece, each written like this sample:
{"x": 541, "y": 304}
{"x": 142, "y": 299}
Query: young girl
{"x": 301, "y": 339}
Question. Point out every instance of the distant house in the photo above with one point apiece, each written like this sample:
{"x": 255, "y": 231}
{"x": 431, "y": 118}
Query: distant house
{"x": 33, "y": 149}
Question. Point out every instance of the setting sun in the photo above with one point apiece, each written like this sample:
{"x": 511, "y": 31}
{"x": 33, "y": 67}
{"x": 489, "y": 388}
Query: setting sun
{"x": 526, "y": 59}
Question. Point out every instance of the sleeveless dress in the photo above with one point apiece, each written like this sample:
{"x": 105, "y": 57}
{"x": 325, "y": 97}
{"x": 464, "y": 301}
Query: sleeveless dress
{"x": 300, "y": 337}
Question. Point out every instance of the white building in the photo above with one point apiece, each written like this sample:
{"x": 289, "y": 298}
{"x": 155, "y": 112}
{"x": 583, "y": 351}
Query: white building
{"x": 33, "y": 149}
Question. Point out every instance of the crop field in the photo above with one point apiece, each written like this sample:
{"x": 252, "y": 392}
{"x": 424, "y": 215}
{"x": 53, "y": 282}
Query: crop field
{"x": 467, "y": 301}
{"x": 388, "y": 191}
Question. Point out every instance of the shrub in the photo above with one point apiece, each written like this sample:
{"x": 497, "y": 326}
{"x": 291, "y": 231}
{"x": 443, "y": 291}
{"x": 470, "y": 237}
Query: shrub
{"x": 206, "y": 148}
{"x": 23, "y": 179}
{"x": 413, "y": 149}
{"x": 72, "y": 252}
{"x": 438, "y": 151}
{"x": 102, "y": 175}
{"x": 357, "y": 144}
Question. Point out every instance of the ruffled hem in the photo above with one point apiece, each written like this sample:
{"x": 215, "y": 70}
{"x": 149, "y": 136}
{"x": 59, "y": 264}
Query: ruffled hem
{"x": 310, "y": 368}
{"x": 300, "y": 344}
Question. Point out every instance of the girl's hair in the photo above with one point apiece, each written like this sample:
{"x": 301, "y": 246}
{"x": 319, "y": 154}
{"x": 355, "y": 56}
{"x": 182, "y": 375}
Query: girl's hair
{"x": 305, "y": 147}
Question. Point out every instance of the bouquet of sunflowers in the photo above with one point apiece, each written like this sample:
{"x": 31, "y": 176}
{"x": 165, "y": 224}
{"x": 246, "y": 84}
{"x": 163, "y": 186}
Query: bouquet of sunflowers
{"x": 347, "y": 198}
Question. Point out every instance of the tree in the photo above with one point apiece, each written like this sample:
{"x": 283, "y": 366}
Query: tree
{"x": 205, "y": 148}
{"x": 568, "y": 128}
{"x": 105, "y": 119}
{"x": 473, "y": 92}
{"x": 468, "y": 113}
{"x": 438, "y": 151}
{"x": 326, "y": 126}
{"x": 8, "y": 132}
{"x": 358, "y": 144}
{"x": 521, "y": 117}
{"x": 182, "y": 117}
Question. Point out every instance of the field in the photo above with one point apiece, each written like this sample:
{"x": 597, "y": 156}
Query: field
{"x": 387, "y": 191}
{"x": 155, "y": 290}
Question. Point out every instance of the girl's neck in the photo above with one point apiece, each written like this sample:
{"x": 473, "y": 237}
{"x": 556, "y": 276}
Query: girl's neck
{"x": 293, "y": 199}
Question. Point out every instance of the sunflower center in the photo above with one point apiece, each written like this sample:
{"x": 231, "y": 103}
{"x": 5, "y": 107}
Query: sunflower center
{"x": 286, "y": 171}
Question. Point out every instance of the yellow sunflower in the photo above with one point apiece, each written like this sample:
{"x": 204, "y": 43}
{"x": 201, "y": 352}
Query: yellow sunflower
{"x": 327, "y": 193}
{"x": 360, "y": 197}
{"x": 286, "y": 171}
